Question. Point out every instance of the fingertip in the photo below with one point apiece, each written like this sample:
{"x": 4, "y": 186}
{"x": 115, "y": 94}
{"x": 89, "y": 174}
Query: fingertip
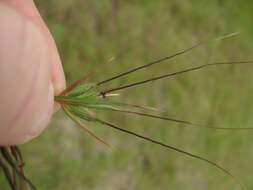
{"x": 42, "y": 122}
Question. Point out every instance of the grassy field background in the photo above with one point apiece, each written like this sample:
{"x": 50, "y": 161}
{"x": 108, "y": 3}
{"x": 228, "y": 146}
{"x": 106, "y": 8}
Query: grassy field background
{"x": 88, "y": 33}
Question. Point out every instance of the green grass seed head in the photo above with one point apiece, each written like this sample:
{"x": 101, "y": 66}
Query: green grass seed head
{"x": 80, "y": 100}
{"x": 83, "y": 96}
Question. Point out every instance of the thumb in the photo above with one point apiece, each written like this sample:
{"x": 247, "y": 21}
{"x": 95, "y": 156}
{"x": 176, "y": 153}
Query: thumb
{"x": 27, "y": 94}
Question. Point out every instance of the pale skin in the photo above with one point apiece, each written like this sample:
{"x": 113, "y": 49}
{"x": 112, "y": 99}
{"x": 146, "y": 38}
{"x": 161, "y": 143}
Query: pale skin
{"x": 31, "y": 73}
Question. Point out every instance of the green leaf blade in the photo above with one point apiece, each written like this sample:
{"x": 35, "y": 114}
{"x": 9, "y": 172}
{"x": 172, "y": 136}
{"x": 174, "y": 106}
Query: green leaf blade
{"x": 79, "y": 90}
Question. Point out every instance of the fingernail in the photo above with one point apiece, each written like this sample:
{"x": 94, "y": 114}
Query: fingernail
{"x": 41, "y": 124}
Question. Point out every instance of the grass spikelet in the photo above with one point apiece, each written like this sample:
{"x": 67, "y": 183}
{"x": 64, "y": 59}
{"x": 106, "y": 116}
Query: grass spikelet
{"x": 75, "y": 104}
{"x": 80, "y": 100}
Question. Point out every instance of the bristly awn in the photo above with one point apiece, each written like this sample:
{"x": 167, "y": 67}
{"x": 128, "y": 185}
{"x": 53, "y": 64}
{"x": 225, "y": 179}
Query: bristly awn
{"x": 80, "y": 99}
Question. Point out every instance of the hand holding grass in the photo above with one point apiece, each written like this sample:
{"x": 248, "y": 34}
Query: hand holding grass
{"x": 31, "y": 72}
{"x": 32, "y": 75}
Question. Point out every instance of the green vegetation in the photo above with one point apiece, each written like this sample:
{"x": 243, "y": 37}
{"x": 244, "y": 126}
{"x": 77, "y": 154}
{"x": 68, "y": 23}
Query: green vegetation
{"x": 89, "y": 33}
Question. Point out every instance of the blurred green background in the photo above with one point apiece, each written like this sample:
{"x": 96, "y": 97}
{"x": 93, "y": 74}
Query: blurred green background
{"x": 88, "y": 33}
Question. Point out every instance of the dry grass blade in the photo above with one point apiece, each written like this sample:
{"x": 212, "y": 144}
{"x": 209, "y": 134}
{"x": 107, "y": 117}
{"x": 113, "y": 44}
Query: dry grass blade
{"x": 20, "y": 162}
{"x": 10, "y": 162}
{"x": 8, "y": 175}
